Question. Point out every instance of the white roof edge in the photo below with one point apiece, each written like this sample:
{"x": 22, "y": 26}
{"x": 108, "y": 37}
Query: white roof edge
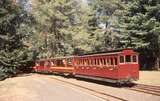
{"x": 114, "y": 53}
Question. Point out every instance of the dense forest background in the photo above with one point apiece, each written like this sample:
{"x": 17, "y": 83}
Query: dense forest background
{"x": 34, "y": 29}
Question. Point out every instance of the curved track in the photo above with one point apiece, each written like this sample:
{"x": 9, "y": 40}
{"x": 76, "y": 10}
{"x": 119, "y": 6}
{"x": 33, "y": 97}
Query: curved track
{"x": 148, "y": 89}
{"x": 92, "y": 90}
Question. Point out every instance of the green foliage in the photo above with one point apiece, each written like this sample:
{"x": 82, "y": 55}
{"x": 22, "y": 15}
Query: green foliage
{"x": 100, "y": 24}
{"x": 62, "y": 27}
{"x": 139, "y": 25}
{"x": 14, "y": 54}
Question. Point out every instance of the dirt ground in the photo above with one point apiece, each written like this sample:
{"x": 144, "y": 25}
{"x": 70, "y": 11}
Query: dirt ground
{"x": 32, "y": 87}
{"x": 149, "y": 77}
{"x": 38, "y": 88}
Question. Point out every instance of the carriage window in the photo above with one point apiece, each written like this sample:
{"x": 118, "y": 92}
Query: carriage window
{"x": 128, "y": 58}
{"x": 46, "y": 63}
{"x": 41, "y": 63}
{"x": 90, "y": 62}
{"x": 93, "y": 62}
{"x": 37, "y": 64}
{"x": 108, "y": 62}
{"x": 101, "y": 61}
{"x": 78, "y": 62}
{"x": 111, "y": 61}
{"x": 121, "y": 59}
{"x": 52, "y": 63}
{"x": 115, "y": 61}
{"x": 67, "y": 61}
{"x": 60, "y": 63}
{"x": 81, "y": 62}
{"x": 104, "y": 61}
{"x": 134, "y": 58}
{"x": 84, "y": 61}
{"x": 97, "y": 61}
{"x": 87, "y": 62}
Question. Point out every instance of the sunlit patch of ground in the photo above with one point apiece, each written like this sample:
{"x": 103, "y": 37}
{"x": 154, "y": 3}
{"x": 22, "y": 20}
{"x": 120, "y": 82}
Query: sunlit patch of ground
{"x": 149, "y": 77}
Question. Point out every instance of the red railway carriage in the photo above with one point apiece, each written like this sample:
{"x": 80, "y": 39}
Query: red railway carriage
{"x": 62, "y": 65}
{"x": 59, "y": 65}
{"x": 42, "y": 65}
{"x": 117, "y": 67}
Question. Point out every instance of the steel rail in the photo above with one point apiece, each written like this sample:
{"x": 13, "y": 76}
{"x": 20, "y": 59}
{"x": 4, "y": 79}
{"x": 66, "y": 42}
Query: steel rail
{"x": 89, "y": 89}
{"x": 148, "y": 89}
{"x": 150, "y": 86}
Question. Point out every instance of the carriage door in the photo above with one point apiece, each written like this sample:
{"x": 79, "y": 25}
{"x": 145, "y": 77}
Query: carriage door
{"x": 129, "y": 59}
{"x": 128, "y": 63}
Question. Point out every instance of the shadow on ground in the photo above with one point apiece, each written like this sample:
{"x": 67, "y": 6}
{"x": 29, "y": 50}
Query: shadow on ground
{"x": 93, "y": 81}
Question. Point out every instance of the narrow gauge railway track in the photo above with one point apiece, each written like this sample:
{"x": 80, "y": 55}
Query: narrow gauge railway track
{"x": 92, "y": 90}
{"x": 148, "y": 89}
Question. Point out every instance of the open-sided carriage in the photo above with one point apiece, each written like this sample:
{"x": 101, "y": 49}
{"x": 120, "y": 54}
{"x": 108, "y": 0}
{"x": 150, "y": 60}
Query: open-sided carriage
{"x": 120, "y": 66}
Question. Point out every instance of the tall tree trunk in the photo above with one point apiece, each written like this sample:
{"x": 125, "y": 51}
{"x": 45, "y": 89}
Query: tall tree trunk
{"x": 157, "y": 63}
